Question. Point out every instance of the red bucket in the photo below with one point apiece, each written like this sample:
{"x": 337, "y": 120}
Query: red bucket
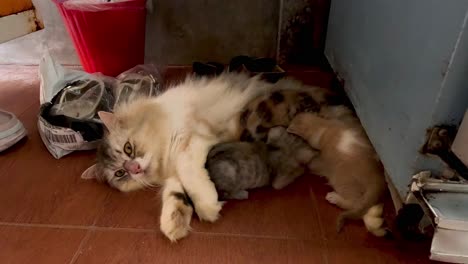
{"x": 109, "y": 37}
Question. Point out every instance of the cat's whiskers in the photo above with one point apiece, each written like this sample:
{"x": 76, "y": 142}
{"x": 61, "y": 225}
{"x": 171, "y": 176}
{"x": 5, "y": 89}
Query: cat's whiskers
{"x": 144, "y": 182}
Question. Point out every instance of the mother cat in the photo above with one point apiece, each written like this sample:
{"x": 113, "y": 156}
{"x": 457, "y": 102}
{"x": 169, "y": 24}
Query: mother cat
{"x": 165, "y": 141}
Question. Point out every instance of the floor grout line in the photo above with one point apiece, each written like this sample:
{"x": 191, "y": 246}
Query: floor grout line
{"x": 324, "y": 242}
{"x": 78, "y": 227}
{"x": 148, "y": 230}
{"x": 79, "y": 250}
{"x": 252, "y": 236}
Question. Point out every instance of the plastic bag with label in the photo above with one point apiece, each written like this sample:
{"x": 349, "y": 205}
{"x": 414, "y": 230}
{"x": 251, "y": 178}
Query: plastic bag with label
{"x": 70, "y": 100}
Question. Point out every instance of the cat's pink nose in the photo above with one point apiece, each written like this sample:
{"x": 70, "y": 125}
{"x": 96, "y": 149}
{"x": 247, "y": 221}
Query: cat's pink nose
{"x": 132, "y": 167}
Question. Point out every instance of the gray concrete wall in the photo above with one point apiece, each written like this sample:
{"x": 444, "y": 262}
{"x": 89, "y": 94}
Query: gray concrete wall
{"x": 182, "y": 31}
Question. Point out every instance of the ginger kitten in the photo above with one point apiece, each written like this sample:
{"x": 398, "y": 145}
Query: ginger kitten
{"x": 350, "y": 164}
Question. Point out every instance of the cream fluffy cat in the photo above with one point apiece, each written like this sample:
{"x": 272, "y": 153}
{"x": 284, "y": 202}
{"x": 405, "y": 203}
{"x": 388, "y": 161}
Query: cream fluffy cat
{"x": 350, "y": 164}
{"x": 165, "y": 141}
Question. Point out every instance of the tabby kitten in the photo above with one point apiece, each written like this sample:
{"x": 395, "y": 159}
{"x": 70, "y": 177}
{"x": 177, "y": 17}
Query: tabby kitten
{"x": 236, "y": 167}
{"x": 288, "y": 154}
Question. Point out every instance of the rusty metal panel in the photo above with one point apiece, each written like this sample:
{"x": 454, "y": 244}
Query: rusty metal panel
{"x": 9, "y": 7}
{"x": 17, "y": 25}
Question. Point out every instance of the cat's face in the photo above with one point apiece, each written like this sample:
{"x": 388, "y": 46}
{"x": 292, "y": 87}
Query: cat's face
{"x": 124, "y": 162}
{"x": 124, "y": 158}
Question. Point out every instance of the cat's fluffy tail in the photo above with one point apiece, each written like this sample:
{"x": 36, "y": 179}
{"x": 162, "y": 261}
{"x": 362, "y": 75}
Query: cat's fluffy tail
{"x": 226, "y": 95}
{"x": 370, "y": 211}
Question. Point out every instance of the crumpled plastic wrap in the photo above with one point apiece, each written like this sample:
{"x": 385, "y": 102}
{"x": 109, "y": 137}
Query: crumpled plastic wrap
{"x": 142, "y": 80}
{"x": 71, "y": 99}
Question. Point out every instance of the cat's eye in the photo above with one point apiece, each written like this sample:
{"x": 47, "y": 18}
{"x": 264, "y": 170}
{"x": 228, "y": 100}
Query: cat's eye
{"x": 128, "y": 149}
{"x": 119, "y": 173}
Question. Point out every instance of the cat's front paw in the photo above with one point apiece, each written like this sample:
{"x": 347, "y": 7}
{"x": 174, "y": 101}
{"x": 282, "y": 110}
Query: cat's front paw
{"x": 209, "y": 212}
{"x": 175, "y": 220}
{"x": 333, "y": 197}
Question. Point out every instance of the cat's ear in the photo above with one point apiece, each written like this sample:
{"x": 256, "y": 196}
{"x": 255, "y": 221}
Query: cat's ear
{"x": 108, "y": 119}
{"x": 89, "y": 173}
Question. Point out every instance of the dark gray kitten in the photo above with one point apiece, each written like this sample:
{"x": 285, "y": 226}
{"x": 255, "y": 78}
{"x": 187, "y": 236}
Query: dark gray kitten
{"x": 236, "y": 167}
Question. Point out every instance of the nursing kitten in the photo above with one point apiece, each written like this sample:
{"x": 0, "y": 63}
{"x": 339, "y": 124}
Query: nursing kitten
{"x": 350, "y": 164}
{"x": 288, "y": 154}
{"x": 235, "y": 167}
{"x": 165, "y": 141}
{"x": 280, "y": 106}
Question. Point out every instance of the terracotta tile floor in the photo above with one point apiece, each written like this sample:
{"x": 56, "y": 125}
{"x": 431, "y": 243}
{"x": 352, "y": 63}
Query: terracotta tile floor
{"x": 49, "y": 215}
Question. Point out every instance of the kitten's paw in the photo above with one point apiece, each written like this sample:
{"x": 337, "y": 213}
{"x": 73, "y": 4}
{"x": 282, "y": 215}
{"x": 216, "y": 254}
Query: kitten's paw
{"x": 208, "y": 212}
{"x": 333, "y": 197}
{"x": 241, "y": 195}
{"x": 281, "y": 181}
{"x": 175, "y": 220}
{"x": 278, "y": 183}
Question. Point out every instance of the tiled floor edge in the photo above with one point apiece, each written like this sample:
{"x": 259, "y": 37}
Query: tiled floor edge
{"x": 82, "y": 244}
{"x": 322, "y": 234}
{"x": 143, "y": 230}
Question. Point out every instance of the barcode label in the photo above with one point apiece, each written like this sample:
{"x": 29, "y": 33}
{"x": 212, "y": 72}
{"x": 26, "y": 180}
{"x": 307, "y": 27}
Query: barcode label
{"x": 64, "y": 139}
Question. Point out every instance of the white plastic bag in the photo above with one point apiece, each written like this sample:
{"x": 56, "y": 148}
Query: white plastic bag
{"x": 70, "y": 100}
{"x": 61, "y": 140}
